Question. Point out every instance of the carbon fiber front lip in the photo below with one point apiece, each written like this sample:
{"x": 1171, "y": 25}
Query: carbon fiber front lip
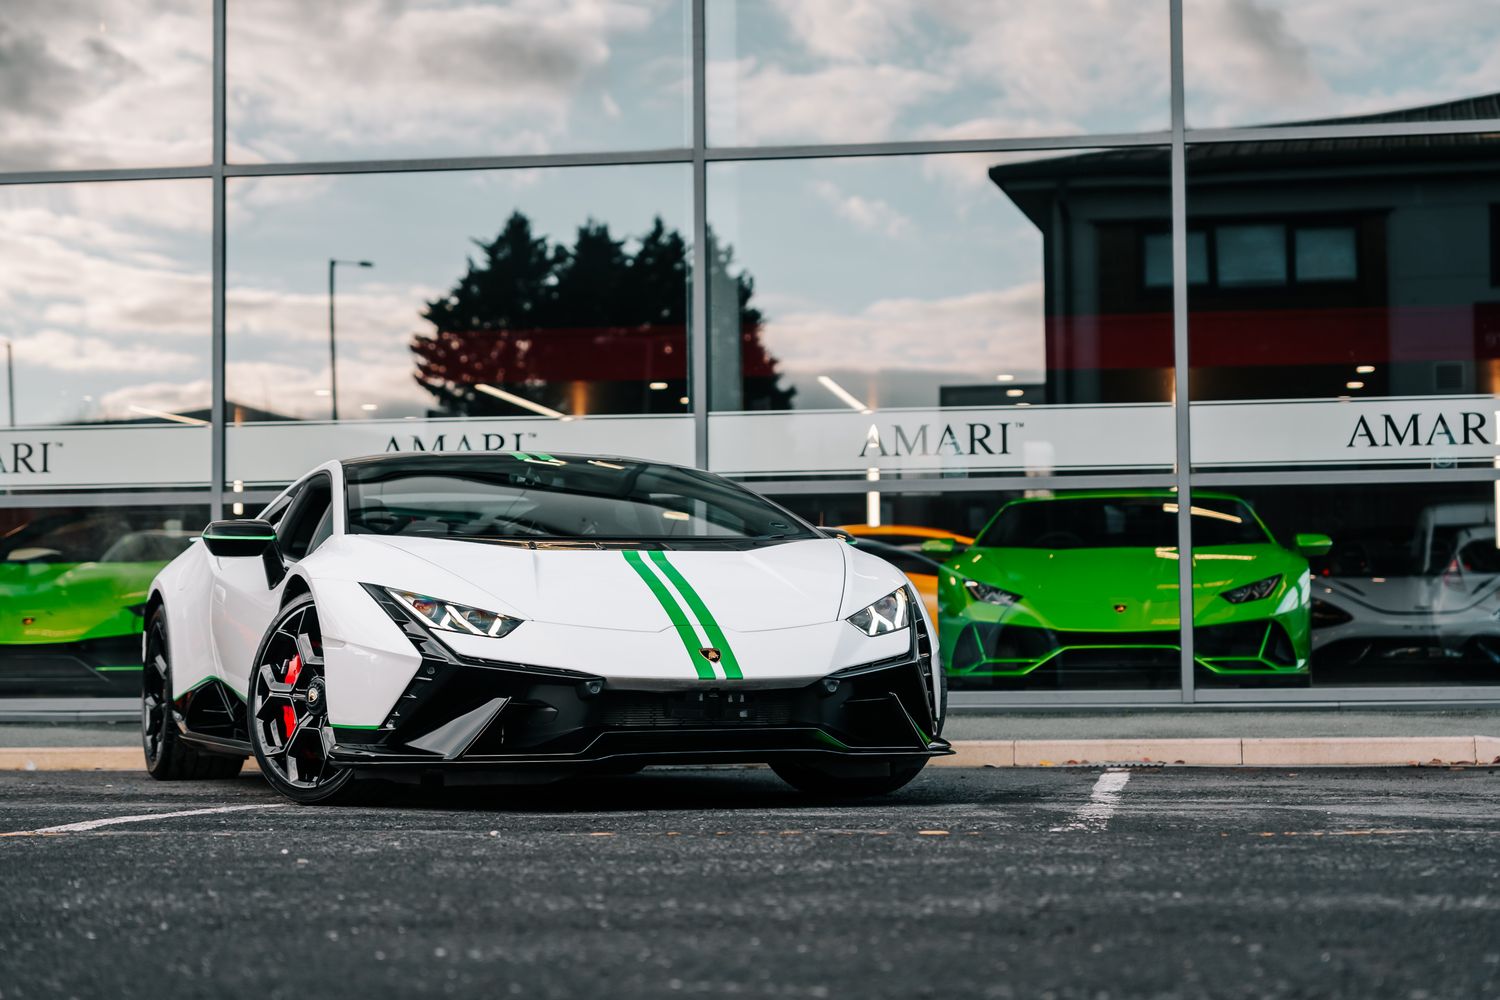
{"x": 694, "y": 747}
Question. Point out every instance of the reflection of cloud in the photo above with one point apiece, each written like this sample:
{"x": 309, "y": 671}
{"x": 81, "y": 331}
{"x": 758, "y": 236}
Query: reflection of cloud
{"x": 294, "y": 390}
{"x": 885, "y": 69}
{"x": 1253, "y": 61}
{"x": 1244, "y": 54}
{"x": 848, "y": 30}
{"x": 68, "y": 353}
{"x": 166, "y": 397}
{"x": 982, "y": 333}
{"x": 410, "y": 73}
{"x": 873, "y": 215}
{"x": 70, "y": 265}
{"x": 849, "y": 103}
{"x": 102, "y": 84}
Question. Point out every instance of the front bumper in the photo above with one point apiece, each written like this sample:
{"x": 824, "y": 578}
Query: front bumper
{"x": 469, "y": 714}
{"x": 985, "y": 649}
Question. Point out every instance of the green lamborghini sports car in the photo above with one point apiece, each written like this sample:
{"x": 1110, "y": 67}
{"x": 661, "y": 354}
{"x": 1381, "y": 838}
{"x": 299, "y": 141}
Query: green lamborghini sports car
{"x": 72, "y": 589}
{"x": 1088, "y": 582}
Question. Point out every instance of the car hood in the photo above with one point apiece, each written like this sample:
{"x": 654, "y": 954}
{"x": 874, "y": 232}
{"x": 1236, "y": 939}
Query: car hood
{"x": 69, "y": 601}
{"x": 768, "y": 587}
{"x": 1392, "y": 595}
{"x": 1115, "y": 589}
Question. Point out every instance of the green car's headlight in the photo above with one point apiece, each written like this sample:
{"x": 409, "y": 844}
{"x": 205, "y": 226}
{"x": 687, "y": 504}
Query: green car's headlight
{"x": 450, "y": 617}
{"x": 990, "y": 595}
{"x": 891, "y": 613}
{"x": 1253, "y": 591}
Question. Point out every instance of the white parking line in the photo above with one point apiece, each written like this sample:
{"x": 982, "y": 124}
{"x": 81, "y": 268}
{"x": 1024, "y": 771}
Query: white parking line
{"x": 94, "y": 824}
{"x": 1094, "y": 816}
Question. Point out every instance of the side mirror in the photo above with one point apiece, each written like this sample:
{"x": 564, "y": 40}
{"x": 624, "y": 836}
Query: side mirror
{"x": 239, "y": 538}
{"x": 939, "y": 547}
{"x": 1312, "y": 543}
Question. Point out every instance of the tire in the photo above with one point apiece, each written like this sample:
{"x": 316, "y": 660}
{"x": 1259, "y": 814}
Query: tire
{"x": 168, "y": 758}
{"x": 288, "y": 722}
{"x": 813, "y": 780}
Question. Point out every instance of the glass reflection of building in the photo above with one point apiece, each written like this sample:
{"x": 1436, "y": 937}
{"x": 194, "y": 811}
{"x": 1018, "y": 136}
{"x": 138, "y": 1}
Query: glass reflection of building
{"x": 922, "y": 219}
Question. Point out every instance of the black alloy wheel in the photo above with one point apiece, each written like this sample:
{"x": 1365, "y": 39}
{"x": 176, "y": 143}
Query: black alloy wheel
{"x": 288, "y": 716}
{"x": 168, "y": 758}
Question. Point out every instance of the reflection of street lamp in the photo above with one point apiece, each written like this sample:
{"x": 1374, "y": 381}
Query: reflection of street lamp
{"x": 10, "y": 383}
{"x": 333, "y": 376}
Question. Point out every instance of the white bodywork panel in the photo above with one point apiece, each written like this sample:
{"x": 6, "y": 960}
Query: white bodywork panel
{"x": 781, "y": 609}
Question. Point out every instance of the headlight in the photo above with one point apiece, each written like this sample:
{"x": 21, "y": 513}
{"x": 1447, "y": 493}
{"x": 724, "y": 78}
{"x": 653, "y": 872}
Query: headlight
{"x": 1253, "y": 591}
{"x": 450, "y": 617}
{"x": 990, "y": 595}
{"x": 891, "y": 613}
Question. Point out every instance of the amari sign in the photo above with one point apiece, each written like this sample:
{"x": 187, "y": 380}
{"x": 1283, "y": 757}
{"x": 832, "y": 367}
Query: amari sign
{"x": 1027, "y": 440}
{"x": 1040, "y": 440}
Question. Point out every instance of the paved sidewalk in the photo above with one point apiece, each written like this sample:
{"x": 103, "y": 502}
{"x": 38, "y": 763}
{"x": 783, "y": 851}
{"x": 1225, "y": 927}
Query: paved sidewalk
{"x": 1288, "y": 737}
{"x": 1201, "y": 723}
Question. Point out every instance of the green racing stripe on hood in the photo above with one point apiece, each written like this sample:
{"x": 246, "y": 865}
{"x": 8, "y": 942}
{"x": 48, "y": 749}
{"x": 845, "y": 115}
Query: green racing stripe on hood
{"x": 715, "y": 634}
{"x": 680, "y": 623}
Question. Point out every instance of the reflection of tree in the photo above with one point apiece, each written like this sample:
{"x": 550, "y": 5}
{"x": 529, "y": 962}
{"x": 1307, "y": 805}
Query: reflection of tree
{"x": 585, "y": 328}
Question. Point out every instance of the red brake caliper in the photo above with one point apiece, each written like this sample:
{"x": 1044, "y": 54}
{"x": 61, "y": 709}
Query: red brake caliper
{"x": 288, "y": 713}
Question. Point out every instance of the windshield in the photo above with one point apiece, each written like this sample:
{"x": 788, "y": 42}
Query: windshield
{"x": 98, "y": 536}
{"x": 500, "y": 498}
{"x": 1118, "y": 522}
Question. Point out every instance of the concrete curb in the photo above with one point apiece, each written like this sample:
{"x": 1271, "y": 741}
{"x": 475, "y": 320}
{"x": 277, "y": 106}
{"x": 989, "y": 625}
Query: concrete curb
{"x": 1325, "y": 751}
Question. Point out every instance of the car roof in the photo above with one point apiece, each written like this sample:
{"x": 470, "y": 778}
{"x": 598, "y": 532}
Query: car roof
{"x": 472, "y": 459}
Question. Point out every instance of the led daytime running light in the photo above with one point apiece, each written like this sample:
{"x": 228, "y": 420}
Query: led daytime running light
{"x": 450, "y": 617}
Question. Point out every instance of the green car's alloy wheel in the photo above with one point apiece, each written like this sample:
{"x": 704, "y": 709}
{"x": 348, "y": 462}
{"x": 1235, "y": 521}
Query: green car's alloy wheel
{"x": 168, "y": 758}
{"x": 288, "y": 715}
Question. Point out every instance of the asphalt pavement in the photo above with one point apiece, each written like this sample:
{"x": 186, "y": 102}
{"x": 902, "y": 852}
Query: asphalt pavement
{"x": 972, "y": 882}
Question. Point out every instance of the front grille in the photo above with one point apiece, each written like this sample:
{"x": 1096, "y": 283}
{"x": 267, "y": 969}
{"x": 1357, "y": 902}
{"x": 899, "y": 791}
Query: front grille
{"x": 651, "y": 710}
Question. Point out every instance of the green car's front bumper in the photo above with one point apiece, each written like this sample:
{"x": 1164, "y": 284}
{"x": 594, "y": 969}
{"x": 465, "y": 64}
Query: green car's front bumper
{"x": 992, "y": 649}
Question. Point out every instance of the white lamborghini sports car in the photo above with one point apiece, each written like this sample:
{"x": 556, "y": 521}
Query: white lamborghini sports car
{"x": 522, "y": 617}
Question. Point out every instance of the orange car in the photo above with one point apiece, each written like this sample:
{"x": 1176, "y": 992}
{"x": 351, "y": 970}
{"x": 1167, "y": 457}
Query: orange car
{"x": 906, "y": 546}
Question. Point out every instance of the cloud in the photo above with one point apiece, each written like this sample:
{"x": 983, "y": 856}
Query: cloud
{"x": 751, "y": 103}
{"x": 872, "y": 215}
{"x": 100, "y": 85}
{"x": 406, "y": 74}
{"x": 66, "y": 352}
{"x": 63, "y": 268}
{"x": 293, "y": 390}
{"x": 165, "y": 397}
{"x": 980, "y": 334}
{"x": 848, "y": 30}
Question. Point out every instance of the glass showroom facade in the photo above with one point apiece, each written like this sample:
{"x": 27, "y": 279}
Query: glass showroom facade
{"x": 992, "y": 285}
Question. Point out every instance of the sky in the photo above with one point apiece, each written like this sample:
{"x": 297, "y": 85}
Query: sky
{"x": 911, "y": 263}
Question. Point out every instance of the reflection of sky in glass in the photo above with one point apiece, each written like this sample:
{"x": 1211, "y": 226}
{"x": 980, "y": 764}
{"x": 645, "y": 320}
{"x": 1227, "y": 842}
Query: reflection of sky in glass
{"x": 791, "y": 71}
{"x": 1251, "y": 62}
{"x": 418, "y": 229}
{"x": 104, "y": 293}
{"x": 430, "y": 78}
{"x": 105, "y": 83}
{"x": 893, "y": 276}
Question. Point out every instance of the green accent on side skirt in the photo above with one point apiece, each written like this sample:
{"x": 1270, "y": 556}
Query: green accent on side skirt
{"x": 680, "y": 622}
{"x": 119, "y": 669}
{"x": 705, "y": 618}
{"x": 830, "y": 740}
{"x": 341, "y": 726}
